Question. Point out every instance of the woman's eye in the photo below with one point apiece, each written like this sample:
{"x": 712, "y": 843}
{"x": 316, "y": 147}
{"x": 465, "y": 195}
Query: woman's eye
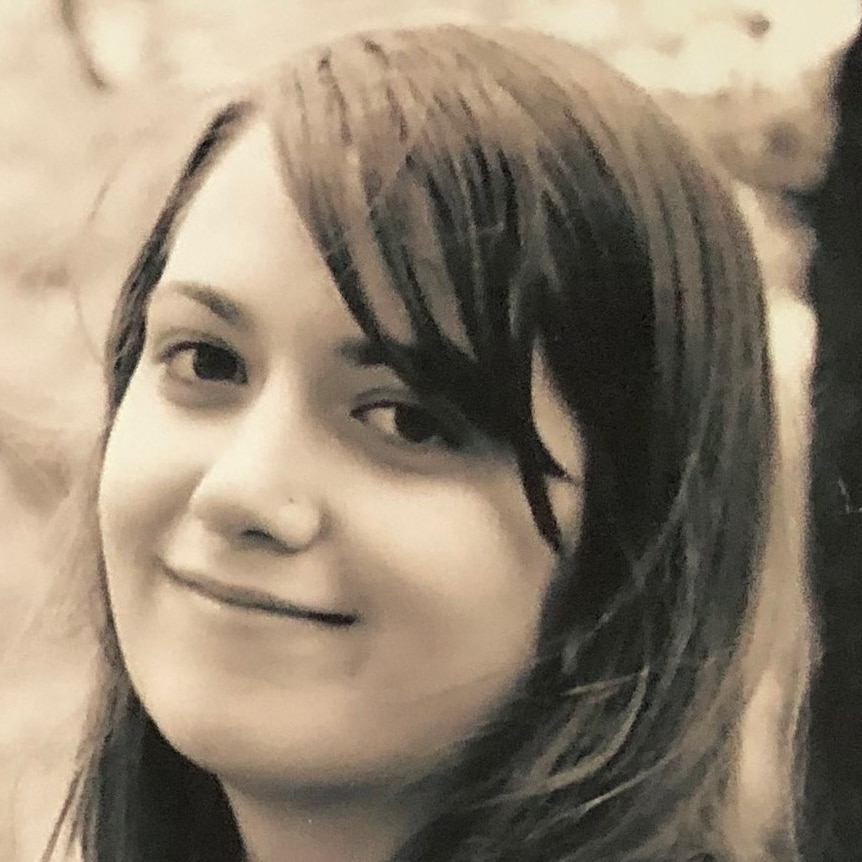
{"x": 199, "y": 361}
{"x": 408, "y": 423}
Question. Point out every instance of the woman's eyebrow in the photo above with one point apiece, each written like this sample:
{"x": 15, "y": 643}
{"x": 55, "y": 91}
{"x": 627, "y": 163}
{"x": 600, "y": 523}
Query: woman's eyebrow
{"x": 366, "y": 353}
{"x": 212, "y": 299}
{"x": 362, "y": 353}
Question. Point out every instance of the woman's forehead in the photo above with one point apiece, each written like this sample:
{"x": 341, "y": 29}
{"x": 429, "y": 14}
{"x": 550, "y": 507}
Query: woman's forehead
{"x": 242, "y": 220}
{"x": 237, "y": 210}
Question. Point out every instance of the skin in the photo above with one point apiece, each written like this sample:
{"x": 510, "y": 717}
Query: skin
{"x": 253, "y": 451}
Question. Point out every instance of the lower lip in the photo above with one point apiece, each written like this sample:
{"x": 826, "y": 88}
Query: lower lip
{"x": 247, "y": 608}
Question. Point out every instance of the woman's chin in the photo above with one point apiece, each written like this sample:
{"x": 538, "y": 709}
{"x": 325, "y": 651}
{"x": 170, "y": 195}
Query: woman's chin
{"x": 298, "y": 753}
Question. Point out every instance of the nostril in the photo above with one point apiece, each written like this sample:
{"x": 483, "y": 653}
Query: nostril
{"x": 257, "y": 537}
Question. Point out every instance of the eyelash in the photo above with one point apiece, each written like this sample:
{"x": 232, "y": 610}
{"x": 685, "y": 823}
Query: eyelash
{"x": 450, "y": 432}
{"x": 447, "y": 434}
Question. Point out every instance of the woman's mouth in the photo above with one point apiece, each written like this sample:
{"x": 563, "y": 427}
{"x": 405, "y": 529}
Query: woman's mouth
{"x": 255, "y": 600}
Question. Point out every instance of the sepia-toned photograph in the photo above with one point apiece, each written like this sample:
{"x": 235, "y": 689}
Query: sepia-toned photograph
{"x": 431, "y": 431}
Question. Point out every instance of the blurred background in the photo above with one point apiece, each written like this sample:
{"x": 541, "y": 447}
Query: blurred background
{"x": 85, "y": 86}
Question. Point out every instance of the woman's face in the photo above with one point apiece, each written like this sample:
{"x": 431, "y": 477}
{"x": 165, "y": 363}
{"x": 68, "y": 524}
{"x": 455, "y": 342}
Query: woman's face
{"x": 316, "y": 578}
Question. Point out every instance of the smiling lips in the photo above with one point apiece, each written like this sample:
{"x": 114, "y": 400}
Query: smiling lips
{"x": 255, "y": 600}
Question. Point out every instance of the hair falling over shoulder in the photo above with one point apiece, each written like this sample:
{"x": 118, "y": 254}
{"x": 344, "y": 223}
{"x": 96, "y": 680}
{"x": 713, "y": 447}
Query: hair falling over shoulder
{"x": 549, "y": 201}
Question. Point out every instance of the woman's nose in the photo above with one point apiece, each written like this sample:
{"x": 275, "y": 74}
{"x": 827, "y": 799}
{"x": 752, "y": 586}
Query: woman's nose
{"x": 262, "y": 483}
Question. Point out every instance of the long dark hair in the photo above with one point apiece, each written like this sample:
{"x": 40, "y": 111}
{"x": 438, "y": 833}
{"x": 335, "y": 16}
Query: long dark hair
{"x": 554, "y": 205}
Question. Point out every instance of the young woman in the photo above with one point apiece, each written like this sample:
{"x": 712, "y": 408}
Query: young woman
{"x": 434, "y": 487}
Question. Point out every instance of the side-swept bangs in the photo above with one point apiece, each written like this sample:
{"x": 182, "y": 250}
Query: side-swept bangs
{"x": 467, "y": 222}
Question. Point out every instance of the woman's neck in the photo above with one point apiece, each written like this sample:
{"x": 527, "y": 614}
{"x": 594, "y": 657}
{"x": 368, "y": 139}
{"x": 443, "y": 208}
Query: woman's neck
{"x": 357, "y": 827}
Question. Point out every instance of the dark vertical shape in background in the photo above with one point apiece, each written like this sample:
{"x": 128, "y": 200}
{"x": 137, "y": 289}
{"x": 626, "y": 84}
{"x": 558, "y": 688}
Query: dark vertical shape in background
{"x": 833, "y": 792}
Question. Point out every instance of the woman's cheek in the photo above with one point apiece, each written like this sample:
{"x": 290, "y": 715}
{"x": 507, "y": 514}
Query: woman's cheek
{"x": 151, "y": 466}
{"x": 461, "y": 570}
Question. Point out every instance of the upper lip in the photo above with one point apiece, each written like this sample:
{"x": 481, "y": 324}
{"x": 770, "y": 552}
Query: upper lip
{"x": 256, "y": 600}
